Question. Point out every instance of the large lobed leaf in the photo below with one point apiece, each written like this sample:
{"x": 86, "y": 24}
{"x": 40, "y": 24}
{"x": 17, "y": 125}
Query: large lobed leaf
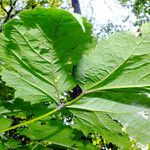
{"x": 39, "y": 50}
{"x": 119, "y": 62}
{"x": 114, "y": 75}
{"x": 117, "y": 69}
{"x": 113, "y": 114}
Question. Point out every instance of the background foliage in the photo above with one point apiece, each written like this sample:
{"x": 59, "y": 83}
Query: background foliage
{"x": 141, "y": 9}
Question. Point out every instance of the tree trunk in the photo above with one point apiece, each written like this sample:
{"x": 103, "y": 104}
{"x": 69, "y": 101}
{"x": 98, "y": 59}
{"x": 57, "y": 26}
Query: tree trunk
{"x": 76, "y": 6}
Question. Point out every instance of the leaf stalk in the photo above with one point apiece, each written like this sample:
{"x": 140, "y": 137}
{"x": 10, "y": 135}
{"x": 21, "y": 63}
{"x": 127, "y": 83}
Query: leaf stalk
{"x": 30, "y": 121}
{"x": 43, "y": 116}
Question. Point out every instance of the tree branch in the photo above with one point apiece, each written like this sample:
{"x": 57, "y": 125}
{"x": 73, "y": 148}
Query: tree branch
{"x": 10, "y": 11}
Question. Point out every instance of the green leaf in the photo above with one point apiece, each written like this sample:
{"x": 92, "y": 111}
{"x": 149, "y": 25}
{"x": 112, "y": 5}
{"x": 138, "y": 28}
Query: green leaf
{"x": 10, "y": 144}
{"x": 39, "y": 50}
{"x": 54, "y": 133}
{"x": 3, "y": 147}
{"x": 4, "y": 123}
{"x": 102, "y": 124}
{"x": 38, "y": 54}
{"x": 25, "y": 108}
{"x": 117, "y": 69}
{"x": 3, "y": 110}
{"x": 118, "y": 62}
{"x": 79, "y": 19}
{"x": 100, "y": 111}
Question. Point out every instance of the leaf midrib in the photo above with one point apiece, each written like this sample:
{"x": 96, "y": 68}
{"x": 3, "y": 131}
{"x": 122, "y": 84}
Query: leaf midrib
{"x": 115, "y": 87}
{"x": 103, "y": 111}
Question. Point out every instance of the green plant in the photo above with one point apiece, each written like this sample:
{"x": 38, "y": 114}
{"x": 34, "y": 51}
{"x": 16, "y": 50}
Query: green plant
{"x": 69, "y": 87}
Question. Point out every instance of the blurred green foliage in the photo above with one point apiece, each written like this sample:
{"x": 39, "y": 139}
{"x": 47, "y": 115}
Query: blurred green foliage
{"x": 140, "y": 8}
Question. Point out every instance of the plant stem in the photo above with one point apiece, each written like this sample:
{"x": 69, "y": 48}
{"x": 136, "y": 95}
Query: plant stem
{"x": 30, "y": 121}
{"x": 76, "y": 99}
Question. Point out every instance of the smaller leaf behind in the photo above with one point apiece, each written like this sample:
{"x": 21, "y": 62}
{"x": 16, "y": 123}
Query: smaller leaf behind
{"x": 99, "y": 111}
{"x": 52, "y": 132}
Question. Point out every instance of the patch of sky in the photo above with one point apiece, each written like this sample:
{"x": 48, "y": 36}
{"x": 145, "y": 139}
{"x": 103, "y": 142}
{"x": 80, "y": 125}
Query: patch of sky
{"x": 106, "y": 16}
